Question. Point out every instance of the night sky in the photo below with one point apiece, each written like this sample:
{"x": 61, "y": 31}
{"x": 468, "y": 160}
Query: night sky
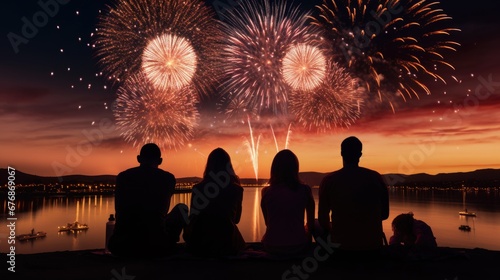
{"x": 56, "y": 116}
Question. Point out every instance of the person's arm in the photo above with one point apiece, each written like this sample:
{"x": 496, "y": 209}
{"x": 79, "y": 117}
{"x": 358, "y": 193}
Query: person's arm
{"x": 384, "y": 197}
{"x": 324, "y": 208}
{"x": 310, "y": 210}
{"x": 170, "y": 190}
{"x": 118, "y": 195}
{"x": 263, "y": 205}
{"x": 239, "y": 202}
{"x": 395, "y": 239}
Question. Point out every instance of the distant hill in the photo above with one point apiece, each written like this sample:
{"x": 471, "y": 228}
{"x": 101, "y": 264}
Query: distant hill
{"x": 479, "y": 178}
{"x": 24, "y": 178}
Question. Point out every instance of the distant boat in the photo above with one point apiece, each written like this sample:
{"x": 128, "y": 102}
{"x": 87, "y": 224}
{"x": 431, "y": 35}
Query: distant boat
{"x": 464, "y": 227}
{"x": 76, "y": 226}
{"x": 466, "y": 213}
{"x": 32, "y": 235}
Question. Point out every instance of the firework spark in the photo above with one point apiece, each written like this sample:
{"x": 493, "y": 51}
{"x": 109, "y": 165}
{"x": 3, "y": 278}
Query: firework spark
{"x": 335, "y": 104}
{"x": 394, "y": 46}
{"x": 304, "y": 67}
{"x": 145, "y": 114}
{"x": 169, "y": 62}
{"x": 258, "y": 36}
{"x": 133, "y": 29}
{"x": 253, "y": 149}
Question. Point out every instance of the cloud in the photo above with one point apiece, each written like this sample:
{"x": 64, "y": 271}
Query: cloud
{"x": 21, "y": 95}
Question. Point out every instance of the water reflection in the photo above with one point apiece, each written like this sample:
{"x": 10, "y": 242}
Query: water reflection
{"x": 438, "y": 208}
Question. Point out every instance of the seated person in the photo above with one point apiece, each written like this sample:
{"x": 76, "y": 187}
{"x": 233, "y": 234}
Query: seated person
{"x": 412, "y": 238}
{"x": 409, "y": 231}
{"x": 216, "y": 204}
{"x": 353, "y": 202}
{"x": 284, "y": 204}
{"x": 142, "y": 198}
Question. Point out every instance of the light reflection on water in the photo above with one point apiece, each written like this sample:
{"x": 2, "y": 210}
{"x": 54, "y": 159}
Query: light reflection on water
{"x": 437, "y": 208}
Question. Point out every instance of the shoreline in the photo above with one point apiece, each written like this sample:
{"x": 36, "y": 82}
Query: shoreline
{"x": 248, "y": 186}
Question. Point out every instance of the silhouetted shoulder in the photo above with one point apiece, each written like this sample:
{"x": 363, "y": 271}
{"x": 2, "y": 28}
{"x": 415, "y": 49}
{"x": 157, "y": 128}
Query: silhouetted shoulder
{"x": 369, "y": 171}
{"x": 169, "y": 176}
{"x": 331, "y": 176}
{"x": 140, "y": 176}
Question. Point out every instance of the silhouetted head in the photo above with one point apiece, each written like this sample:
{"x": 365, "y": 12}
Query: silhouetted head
{"x": 285, "y": 169}
{"x": 350, "y": 149}
{"x": 150, "y": 155}
{"x": 403, "y": 223}
{"x": 219, "y": 161}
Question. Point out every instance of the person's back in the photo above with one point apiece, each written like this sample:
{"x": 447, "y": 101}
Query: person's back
{"x": 212, "y": 231}
{"x": 216, "y": 205}
{"x": 284, "y": 209}
{"x": 284, "y": 204}
{"x": 142, "y": 199}
{"x": 355, "y": 200}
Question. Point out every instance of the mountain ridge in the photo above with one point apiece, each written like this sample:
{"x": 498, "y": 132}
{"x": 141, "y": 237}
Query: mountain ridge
{"x": 312, "y": 178}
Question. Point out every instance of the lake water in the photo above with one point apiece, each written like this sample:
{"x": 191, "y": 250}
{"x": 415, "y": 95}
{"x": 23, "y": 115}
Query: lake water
{"x": 437, "y": 208}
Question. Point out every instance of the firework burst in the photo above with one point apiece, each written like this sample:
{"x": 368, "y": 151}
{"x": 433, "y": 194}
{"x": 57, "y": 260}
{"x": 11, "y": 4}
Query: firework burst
{"x": 169, "y": 62}
{"x": 130, "y": 35}
{"x": 258, "y": 37}
{"x": 395, "y": 46}
{"x": 145, "y": 114}
{"x": 336, "y": 103}
{"x": 304, "y": 67}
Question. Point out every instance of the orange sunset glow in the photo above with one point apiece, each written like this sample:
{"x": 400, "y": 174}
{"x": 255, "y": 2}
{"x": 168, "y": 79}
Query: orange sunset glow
{"x": 56, "y": 116}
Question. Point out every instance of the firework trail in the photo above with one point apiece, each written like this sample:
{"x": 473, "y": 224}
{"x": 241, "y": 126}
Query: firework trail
{"x": 287, "y": 140}
{"x": 145, "y": 114}
{"x": 253, "y": 149}
{"x": 334, "y": 104}
{"x": 395, "y": 46}
{"x": 137, "y": 35}
{"x": 169, "y": 62}
{"x": 304, "y": 67}
{"x": 258, "y": 35}
{"x": 274, "y": 137}
{"x": 288, "y": 134}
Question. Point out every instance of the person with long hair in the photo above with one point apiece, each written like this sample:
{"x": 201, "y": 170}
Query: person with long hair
{"x": 284, "y": 203}
{"x": 215, "y": 211}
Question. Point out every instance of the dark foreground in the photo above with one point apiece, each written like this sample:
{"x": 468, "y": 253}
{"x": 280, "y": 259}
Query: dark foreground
{"x": 451, "y": 264}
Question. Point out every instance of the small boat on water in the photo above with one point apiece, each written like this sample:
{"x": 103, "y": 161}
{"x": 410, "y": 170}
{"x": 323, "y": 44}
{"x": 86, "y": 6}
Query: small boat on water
{"x": 32, "y": 235}
{"x": 464, "y": 227}
{"x": 76, "y": 226}
{"x": 467, "y": 213}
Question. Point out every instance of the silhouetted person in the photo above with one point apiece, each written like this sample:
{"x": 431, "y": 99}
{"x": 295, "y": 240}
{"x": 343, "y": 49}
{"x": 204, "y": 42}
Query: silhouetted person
{"x": 353, "y": 202}
{"x": 410, "y": 232}
{"x": 284, "y": 203}
{"x": 412, "y": 239}
{"x": 216, "y": 204}
{"x": 142, "y": 199}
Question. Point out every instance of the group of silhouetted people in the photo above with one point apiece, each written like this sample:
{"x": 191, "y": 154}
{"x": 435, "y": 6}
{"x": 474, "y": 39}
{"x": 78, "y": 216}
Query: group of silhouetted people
{"x": 353, "y": 202}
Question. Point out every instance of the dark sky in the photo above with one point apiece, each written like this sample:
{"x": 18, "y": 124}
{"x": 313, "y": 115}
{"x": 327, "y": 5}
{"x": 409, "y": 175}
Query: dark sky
{"x": 41, "y": 54}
